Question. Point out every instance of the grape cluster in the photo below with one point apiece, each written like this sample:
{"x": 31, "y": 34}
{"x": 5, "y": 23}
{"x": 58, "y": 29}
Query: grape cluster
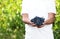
{"x": 38, "y": 21}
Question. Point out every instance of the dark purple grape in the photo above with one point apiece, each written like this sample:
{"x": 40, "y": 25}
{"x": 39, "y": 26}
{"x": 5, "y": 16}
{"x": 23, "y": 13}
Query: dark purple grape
{"x": 38, "y": 20}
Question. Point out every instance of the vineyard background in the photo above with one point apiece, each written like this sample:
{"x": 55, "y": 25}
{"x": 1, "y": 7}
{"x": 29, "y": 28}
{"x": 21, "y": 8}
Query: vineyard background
{"x": 11, "y": 25}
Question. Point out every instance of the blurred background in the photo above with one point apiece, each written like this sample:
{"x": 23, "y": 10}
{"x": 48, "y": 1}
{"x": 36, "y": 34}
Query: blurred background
{"x": 11, "y": 24}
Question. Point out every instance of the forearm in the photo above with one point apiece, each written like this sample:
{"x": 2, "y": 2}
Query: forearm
{"x": 26, "y": 21}
{"x": 25, "y": 18}
{"x": 50, "y": 20}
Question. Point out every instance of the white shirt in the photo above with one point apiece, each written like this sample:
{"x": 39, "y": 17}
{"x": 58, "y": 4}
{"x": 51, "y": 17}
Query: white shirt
{"x": 39, "y": 8}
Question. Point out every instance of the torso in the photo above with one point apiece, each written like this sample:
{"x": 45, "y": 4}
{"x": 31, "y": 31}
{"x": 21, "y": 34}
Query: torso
{"x": 37, "y": 8}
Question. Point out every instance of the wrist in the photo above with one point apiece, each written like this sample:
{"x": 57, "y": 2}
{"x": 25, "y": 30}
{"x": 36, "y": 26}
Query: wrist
{"x": 26, "y": 21}
{"x": 44, "y": 23}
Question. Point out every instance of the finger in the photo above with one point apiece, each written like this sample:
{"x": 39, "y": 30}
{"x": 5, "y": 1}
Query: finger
{"x": 40, "y": 26}
{"x": 31, "y": 23}
{"x": 34, "y": 25}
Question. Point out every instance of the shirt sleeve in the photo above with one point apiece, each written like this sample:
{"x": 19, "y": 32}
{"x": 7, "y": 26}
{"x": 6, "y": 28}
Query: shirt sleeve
{"x": 24, "y": 7}
{"x": 52, "y": 6}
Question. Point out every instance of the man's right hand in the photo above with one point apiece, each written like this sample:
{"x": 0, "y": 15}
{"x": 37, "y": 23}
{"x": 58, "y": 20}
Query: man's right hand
{"x": 26, "y": 21}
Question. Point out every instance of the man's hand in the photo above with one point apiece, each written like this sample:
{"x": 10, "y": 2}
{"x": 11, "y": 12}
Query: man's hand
{"x": 29, "y": 22}
{"x": 40, "y": 26}
{"x": 50, "y": 20}
{"x": 26, "y": 20}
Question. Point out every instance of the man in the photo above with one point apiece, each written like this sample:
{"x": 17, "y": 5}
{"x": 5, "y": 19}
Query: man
{"x": 40, "y": 8}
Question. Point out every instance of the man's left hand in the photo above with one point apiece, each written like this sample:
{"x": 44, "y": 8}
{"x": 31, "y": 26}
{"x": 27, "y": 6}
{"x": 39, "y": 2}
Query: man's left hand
{"x": 40, "y": 26}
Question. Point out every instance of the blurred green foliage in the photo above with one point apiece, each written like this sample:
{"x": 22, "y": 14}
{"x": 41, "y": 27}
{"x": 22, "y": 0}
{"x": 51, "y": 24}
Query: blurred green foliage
{"x": 11, "y": 25}
{"x": 57, "y": 21}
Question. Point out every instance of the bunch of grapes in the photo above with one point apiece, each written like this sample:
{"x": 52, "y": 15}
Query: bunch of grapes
{"x": 38, "y": 21}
